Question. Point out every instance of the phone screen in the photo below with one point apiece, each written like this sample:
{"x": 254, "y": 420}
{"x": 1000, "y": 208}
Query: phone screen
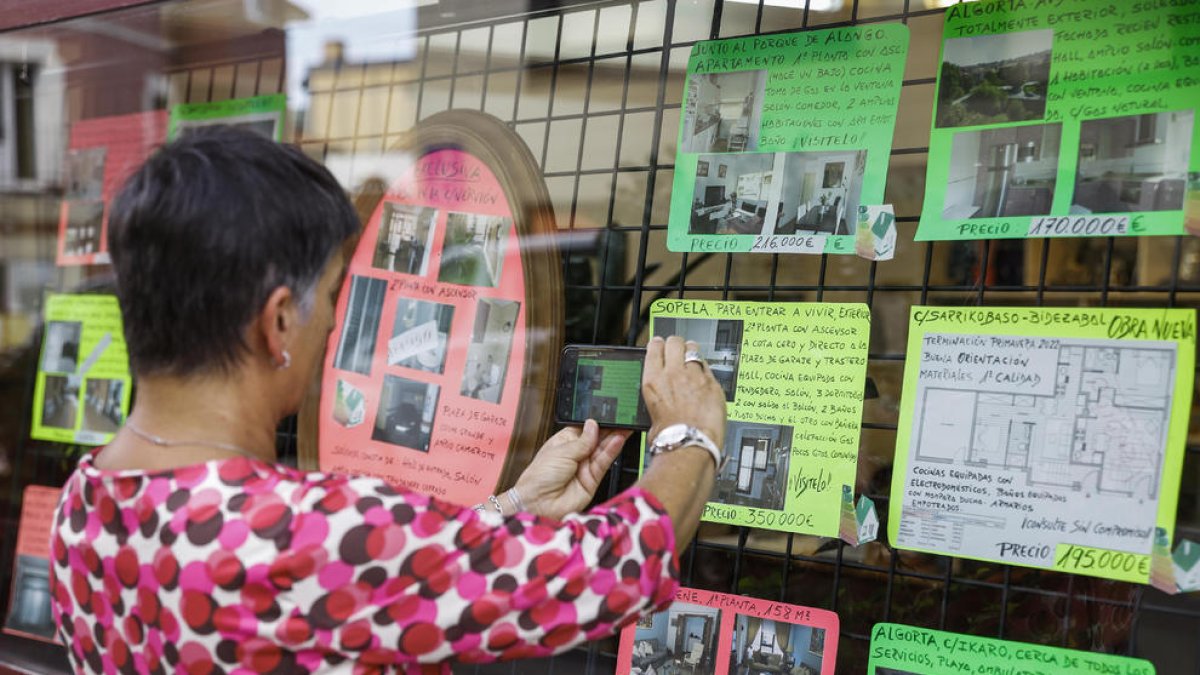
{"x": 604, "y": 384}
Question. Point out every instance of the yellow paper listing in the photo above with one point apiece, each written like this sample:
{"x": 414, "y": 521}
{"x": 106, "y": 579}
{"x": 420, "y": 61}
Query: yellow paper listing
{"x": 1048, "y": 438}
{"x": 793, "y": 375}
{"x": 83, "y": 382}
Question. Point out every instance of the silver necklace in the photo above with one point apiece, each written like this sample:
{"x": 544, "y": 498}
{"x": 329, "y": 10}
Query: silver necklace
{"x": 164, "y": 443}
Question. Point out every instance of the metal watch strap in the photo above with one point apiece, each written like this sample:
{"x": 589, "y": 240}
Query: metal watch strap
{"x": 696, "y": 438}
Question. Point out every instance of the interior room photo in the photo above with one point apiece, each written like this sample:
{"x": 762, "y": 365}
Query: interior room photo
{"x": 487, "y": 355}
{"x": 731, "y": 193}
{"x": 60, "y": 351}
{"x": 723, "y": 111}
{"x": 411, "y": 345}
{"x": 356, "y": 344}
{"x": 405, "y": 414}
{"x": 679, "y": 641}
{"x": 996, "y": 173}
{"x": 720, "y": 343}
{"x": 85, "y": 221}
{"x": 820, "y": 192}
{"x": 102, "y": 405}
{"x": 1134, "y": 163}
{"x": 757, "y": 471}
{"x": 60, "y": 402}
{"x": 473, "y": 252}
{"x": 404, "y": 239}
{"x": 766, "y": 647}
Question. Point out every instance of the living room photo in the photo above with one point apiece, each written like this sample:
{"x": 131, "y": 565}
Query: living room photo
{"x": 681, "y": 640}
{"x": 766, "y": 647}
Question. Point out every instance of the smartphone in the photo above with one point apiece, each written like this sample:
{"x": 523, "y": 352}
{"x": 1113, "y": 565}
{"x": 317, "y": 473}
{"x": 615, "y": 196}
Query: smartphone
{"x": 601, "y": 383}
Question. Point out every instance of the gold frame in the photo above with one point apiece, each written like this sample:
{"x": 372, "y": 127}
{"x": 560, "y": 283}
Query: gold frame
{"x": 505, "y": 153}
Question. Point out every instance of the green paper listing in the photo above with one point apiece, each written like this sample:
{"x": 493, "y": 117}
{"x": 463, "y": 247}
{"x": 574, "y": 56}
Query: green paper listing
{"x": 262, "y": 115}
{"x": 1063, "y": 118}
{"x": 794, "y": 376}
{"x": 783, "y": 137}
{"x": 1047, "y": 438}
{"x": 908, "y": 650}
{"x": 83, "y": 382}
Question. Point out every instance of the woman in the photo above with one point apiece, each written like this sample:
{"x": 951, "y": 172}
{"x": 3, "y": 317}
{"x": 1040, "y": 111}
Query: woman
{"x": 182, "y": 545}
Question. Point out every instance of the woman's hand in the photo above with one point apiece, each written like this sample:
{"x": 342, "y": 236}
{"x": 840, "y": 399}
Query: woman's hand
{"x": 677, "y": 392}
{"x": 567, "y": 470}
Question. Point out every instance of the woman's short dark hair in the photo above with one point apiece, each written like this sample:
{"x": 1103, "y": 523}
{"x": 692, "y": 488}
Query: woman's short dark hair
{"x": 202, "y": 234}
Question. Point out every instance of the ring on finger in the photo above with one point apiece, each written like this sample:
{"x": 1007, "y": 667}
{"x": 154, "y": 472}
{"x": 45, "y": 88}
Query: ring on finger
{"x": 693, "y": 356}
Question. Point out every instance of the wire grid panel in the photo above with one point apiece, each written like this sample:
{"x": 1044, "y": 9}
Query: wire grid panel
{"x": 595, "y": 90}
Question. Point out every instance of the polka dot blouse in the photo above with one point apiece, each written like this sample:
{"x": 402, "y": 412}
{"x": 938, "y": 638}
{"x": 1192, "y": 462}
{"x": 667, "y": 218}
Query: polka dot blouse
{"x": 238, "y": 566}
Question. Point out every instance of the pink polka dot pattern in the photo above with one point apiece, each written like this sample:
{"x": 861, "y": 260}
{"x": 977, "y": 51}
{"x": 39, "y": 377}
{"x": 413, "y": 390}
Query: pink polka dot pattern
{"x": 237, "y": 566}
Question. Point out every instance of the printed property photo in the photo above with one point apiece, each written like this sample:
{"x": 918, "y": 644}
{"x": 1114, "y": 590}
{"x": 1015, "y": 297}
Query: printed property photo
{"x": 994, "y": 79}
{"x": 779, "y": 193}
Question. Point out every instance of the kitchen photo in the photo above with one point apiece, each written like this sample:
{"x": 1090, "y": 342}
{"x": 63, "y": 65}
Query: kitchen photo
{"x": 488, "y": 353}
{"x": 731, "y": 193}
{"x": 405, "y": 414}
{"x": 820, "y": 192}
{"x": 993, "y": 79}
{"x": 999, "y": 173}
{"x": 723, "y": 112}
{"x": 762, "y": 646}
{"x": 1134, "y": 163}
{"x": 757, "y": 471}
{"x": 681, "y": 640}
{"x": 720, "y": 343}
{"x": 405, "y": 234}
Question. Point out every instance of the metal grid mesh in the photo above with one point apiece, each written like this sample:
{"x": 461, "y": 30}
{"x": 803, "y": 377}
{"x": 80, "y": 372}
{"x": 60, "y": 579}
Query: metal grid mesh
{"x": 595, "y": 91}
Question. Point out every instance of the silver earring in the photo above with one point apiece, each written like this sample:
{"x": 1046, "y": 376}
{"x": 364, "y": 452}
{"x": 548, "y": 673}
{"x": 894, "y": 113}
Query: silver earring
{"x": 287, "y": 361}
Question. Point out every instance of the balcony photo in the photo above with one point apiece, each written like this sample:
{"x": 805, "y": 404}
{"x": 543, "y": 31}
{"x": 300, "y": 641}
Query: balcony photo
{"x": 723, "y": 112}
{"x": 999, "y": 173}
{"x": 1133, "y": 164}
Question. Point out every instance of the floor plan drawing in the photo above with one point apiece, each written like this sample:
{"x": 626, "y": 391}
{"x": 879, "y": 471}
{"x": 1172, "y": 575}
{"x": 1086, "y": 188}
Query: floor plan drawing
{"x": 1020, "y": 444}
{"x": 1102, "y": 428}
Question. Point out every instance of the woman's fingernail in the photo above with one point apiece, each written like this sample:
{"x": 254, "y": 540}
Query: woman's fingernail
{"x": 656, "y": 338}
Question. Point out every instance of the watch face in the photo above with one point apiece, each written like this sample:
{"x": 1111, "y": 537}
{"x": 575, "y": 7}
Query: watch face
{"x": 672, "y": 435}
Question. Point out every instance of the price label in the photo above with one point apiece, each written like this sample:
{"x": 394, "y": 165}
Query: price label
{"x": 799, "y": 243}
{"x": 1098, "y": 562}
{"x": 1079, "y": 226}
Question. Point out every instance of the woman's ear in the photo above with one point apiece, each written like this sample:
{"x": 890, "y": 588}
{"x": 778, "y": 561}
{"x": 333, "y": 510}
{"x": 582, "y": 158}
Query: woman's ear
{"x": 277, "y": 324}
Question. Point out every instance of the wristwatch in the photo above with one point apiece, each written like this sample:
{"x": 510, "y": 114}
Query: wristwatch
{"x": 681, "y": 435}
